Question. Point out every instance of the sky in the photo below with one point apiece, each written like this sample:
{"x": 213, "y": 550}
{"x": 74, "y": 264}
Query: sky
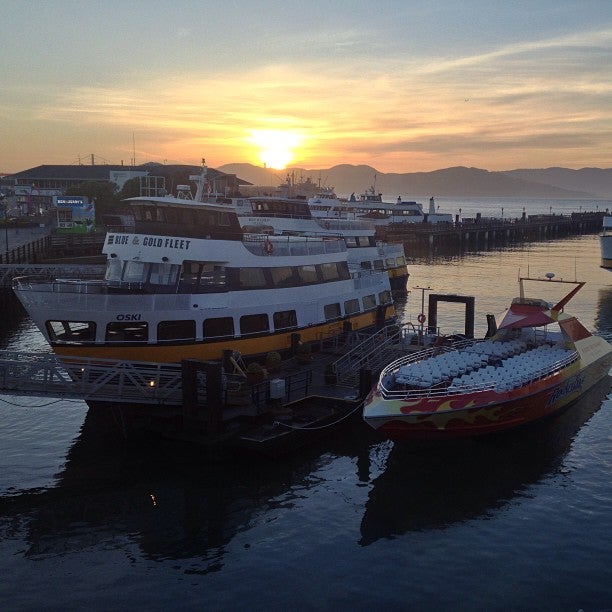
{"x": 400, "y": 85}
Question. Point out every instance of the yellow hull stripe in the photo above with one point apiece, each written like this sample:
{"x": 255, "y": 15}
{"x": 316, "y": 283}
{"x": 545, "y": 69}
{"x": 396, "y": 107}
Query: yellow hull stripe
{"x": 213, "y": 350}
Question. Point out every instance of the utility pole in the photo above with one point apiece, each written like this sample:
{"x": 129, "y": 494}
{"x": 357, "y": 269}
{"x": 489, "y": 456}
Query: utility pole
{"x": 5, "y": 203}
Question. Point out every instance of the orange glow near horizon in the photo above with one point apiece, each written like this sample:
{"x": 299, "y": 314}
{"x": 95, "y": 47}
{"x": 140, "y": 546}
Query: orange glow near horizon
{"x": 276, "y": 147}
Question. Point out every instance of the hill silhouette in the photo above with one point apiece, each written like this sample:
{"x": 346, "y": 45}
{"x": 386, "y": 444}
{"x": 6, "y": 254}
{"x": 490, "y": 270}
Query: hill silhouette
{"x": 459, "y": 181}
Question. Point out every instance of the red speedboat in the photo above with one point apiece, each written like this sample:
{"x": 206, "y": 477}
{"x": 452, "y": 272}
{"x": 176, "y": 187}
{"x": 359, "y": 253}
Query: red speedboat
{"x": 539, "y": 361}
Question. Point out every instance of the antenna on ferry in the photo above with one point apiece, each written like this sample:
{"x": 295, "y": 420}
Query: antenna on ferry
{"x": 200, "y": 181}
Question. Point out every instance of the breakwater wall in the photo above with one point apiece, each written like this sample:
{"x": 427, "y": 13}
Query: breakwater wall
{"x": 485, "y": 233}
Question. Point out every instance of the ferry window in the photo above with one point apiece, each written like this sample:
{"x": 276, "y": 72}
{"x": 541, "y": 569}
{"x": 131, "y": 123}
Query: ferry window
{"x": 282, "y": 277}
{"x": 401, "y": 260}
{"x": 132, "y": 331}
{"x": 332, "y": 311}
{"x": 351, "y": 241}
{"x": 114, "y": 267}
{"x": 351, "y": 306}
{"x": 71, "y": 331}
{"x": 213, "y": 276}
{"x": 390, "y": 261}
{"x": 223, "y": 219}
{"x": 135, "y": 271}
{"x": 176, "y": 330}
{"x": 171, "y": 215}
{"x": 343, "y": 270}
{"x": 378, "y": 264}
{"x": 219, "y": 327}
{"x": 148, "y": 213}
{"x": 385, "y": 297}
{"x": 369, "y": 302}
{"x": 364, "y": 241}
{"x": 252, "y": 278}
{"x": 164, "y": 273}
{"x": 137, "y": 210}
{"x": 307, "y": 274}
{"x": 159, "y": 214}
{"x": 191, "y": 272}
{"x": 285, "y": 319}
{"x": 186, "y": 216}
{"x": 329, "y": 271}
{"x": 252, "y": 324}
{"x": 366, "y": 265}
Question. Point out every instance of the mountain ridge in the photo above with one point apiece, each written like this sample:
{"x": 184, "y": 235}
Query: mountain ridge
{"x": 457, "y": 181}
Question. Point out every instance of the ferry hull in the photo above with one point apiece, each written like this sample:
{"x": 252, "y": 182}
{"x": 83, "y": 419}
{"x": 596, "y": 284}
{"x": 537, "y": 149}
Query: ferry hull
{"x": 209, "y": 350}
{"x": 481, "y": 413}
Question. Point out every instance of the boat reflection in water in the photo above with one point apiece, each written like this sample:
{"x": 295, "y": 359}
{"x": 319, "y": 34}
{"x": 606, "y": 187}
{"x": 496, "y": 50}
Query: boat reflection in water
{"x": 13, "y": 322}
{"x": 432, "y": 486}
{"x": 603, "y": 313}
{"x": 171, "y": 503}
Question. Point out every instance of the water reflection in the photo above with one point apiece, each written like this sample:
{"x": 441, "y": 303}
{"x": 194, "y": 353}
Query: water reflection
{"x": 603, "y": 312}
{"x": 171, "y": 503}
{"x": 14, "y": 318}
{"x": 433, "y": 487}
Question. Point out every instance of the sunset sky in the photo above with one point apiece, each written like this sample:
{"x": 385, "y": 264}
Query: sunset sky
{"x": 401, "y": 85}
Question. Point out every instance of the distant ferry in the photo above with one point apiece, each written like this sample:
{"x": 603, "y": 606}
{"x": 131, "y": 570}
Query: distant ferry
{"x": 369, "y": 207}
{"x": 293, "y": 217}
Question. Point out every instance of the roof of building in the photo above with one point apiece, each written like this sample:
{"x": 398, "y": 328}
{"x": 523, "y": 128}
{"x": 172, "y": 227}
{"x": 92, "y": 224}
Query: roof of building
{"x": 101, "y": 172}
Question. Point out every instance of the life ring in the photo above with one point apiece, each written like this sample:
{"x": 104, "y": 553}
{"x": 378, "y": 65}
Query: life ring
{"x": 268, "y": 247}
{"x": 421, "y": 318}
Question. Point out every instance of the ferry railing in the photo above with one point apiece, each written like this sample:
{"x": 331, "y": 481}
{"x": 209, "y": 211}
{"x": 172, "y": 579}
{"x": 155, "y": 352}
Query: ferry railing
{"x": 60, "y": 285}
{"x": 260, "y": 244}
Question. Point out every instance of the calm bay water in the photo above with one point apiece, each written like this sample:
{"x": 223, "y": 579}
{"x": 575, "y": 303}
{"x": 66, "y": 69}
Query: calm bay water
{"x": 516, "y": 522}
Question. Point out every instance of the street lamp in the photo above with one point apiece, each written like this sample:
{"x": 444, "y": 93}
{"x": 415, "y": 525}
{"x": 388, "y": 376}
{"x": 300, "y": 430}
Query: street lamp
{"x": 5, "y": 203}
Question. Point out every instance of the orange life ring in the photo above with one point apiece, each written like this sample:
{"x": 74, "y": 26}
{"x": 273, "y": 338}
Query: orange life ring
{"x": 421, "y": 318}
{"x": 268, "y": 247}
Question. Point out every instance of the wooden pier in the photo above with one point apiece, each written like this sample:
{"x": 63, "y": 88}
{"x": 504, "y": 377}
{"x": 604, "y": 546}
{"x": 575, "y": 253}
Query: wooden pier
{"x": 481, "y": 233}
{"x": 209, "y": 403}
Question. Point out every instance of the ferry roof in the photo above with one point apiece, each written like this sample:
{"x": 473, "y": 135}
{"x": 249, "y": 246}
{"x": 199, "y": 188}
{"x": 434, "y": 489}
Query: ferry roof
{"x": 179, "y": 203}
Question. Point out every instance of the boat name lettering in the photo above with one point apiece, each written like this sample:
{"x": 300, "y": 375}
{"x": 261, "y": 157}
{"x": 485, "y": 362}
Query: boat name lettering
{"x": 569, "y": 387}
{"x": 120, "y": 239}
{"x": 168, "y": 243}
{"x": 129, "y": 317}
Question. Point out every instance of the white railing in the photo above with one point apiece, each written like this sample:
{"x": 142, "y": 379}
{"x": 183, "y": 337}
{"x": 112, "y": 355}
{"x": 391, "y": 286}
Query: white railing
{"x": 90, "y": 379}
{"x": 462, "y": 389}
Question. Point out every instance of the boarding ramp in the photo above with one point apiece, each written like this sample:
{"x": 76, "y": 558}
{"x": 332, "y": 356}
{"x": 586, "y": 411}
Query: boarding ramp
{"x": 373, "y": 352}
{"x": 100, "y": 380}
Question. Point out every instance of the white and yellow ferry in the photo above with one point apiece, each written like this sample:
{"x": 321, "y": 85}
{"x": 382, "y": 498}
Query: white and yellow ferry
{"x": 187, "y": 282}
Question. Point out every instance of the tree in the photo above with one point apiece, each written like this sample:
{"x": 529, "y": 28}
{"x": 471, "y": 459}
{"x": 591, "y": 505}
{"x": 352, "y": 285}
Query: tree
{"x": 100, "y": 192}
{"x": 130, "y": 189}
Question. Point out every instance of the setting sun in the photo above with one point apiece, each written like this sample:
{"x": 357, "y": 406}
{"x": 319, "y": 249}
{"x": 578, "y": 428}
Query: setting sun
{"x": 276, "y": 147}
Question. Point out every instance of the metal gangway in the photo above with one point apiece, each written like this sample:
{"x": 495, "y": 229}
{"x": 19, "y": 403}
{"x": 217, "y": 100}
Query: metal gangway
{"x": 374, "y": 351}
{"x": 99, "y": 380}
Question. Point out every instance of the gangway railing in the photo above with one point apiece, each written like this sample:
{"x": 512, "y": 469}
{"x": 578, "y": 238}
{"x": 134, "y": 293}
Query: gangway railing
{"x": 100, "y": 380}
{"x": 373, "y": 353}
